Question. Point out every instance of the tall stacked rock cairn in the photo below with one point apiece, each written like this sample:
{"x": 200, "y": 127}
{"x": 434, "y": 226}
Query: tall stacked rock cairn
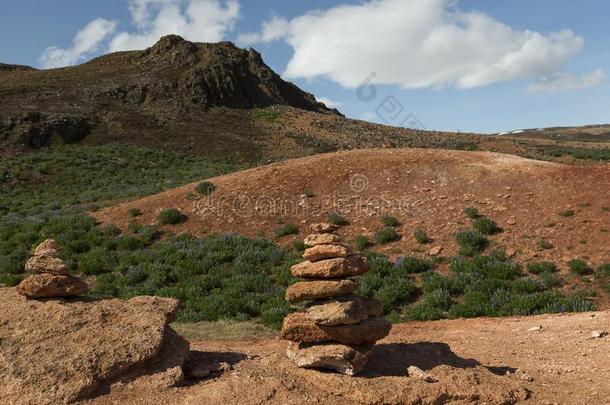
{"x": 51, "y": 277}
{"x": 335, "y": 329}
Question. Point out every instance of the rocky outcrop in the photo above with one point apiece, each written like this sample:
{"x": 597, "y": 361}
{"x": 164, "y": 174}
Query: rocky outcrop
{"x": 60, "y": 352}
{"x": 173, "y": 83}
{"x": 322, "y": 239}
{"x": 337, "y": 329}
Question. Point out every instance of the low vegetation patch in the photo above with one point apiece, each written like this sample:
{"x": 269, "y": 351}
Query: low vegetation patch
{"x": 361, "y": 242}
{"x": 541, "y": 267}
{"x": 171, "y": 216}
{"x": 205, "y": 188}
{"x": 471, "y": 212}
{"x": 388, "y": 220}
{"x": 421, "y": 236}
{"x": 485, "y": 225}
{"x": 471, "y": 242}
{"x": 579, "y": 267}
{"x": 285, "y": 230}
{"x": 135, "y": 212}
{"x": 386, "y": 235}
{"x": 337, "y": 219}
{"x": 566, "y": 213}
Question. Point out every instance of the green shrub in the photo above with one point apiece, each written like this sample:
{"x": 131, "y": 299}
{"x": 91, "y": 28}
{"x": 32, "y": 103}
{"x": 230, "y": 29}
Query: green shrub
{"x": 471, "y": 242}
{"x": 579, "y": 267}
{"x": 388, "y": 220}
{"x": 336, "y": 219}
{"x": 471, "y": 212}
{"x": 485, "y": 225}
{"x": 205, "y": 188}
{"x": 545, "y": 244}
{"x": 421, "y": 236}
{"x": 550, "y": 280}
{"x": 285, "y": 230}
{"x": 11, "y": 280}
{"x": 424, "y": 312}
{"x": 386, "y": 235}
{"x": 171, "y": 216}
{"x": 566, "y": 213}
{"x": 603, "y": 271}
{"x": 134, "y": 226}
{"x": 135, "y": 212}
{"x": 541, "y": 267}
{"x": 411, "y": 265}
{"x": 361, "y": 242}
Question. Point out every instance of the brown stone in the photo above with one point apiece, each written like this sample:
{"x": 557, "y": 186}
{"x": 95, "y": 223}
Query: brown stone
{"x": 344, "y": 310}
{"x": 348, "y": 360}
{"x": 311, "y": 290}
{"x": 46, "y": 264}
{"x": 322, "y": 239}
{"x": 58, "y": 352}
{"x": 298, "y": 328}
{"x": 49, "y": 247}
{"x": 332, "y": 268}
{"x": 321, "y": 252}
{"x": 324, "y": 228}
{"x": 52, "y": 285}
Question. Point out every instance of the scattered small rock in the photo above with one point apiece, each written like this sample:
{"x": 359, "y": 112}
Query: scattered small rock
{"x": 597, "y": 334}
{"x": 416, "y": 372}
{"x": 536, "y": 329}
{"x": 435, "y": 251}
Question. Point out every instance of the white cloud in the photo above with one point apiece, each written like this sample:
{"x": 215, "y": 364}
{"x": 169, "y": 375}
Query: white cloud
{"x": 195, "y": 20}
{"x": 85, "y": 42}
{"x": 415, "y": 44}
{"x": 567, "y": 81}
{"x": 272, "y": 29}
{"x": 328, "y": 102}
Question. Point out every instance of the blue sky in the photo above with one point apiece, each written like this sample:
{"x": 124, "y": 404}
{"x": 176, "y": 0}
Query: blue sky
{"x": 469, "y": 65}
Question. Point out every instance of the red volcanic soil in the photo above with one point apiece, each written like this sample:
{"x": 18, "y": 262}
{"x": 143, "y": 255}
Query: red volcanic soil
{"x": 546, "y": 359}
{"x": 423, "y": 188}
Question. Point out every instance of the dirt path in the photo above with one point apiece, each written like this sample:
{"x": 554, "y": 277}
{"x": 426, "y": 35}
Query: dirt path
{"x": 492, "y": 361}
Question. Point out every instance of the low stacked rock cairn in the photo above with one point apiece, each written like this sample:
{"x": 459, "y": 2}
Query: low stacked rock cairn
{"x": 51, "y": 277}
{"x": 336, "y": 329}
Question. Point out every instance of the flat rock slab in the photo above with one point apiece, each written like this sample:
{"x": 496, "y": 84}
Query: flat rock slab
{"x": 59, "y": 351}
{"x": 321, "y": 252}
{"x": 332, "y": 268}
{"x": 317, "y": 289}
{"x": 52, "y": 285}
{"x": 348, "y": 360}
{"x": 344, "y": 310}
{"x": 322, "y": 239}
{"x": 299, "y": 328}
{"x": 46, "y": 264}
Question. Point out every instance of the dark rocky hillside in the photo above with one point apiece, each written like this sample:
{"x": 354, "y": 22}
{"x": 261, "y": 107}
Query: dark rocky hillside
{"x": 164, "y": 91}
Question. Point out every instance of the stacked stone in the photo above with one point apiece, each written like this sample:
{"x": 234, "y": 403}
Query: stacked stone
{"x": 51, "y": 277}
{"x": 336, "y": 330}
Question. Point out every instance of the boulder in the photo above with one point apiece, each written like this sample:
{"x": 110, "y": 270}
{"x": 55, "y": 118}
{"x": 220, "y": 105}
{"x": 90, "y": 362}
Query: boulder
{"x": 321, "y": 252}
{"x": 311, "y": 290}
{"x": 298, "y": 327}
{"x": 52, "y": 285}
{"x": 332, "y": 268}
{"x": 56, "y": 351}
{"x": 49, "y": 247}
{"x": 344, "y": 310}
{"x": 46, "y": 264}
{"x": 348, "y": 360}
{"x": 322, "y": 239}
{"x": 324, "y": 228}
